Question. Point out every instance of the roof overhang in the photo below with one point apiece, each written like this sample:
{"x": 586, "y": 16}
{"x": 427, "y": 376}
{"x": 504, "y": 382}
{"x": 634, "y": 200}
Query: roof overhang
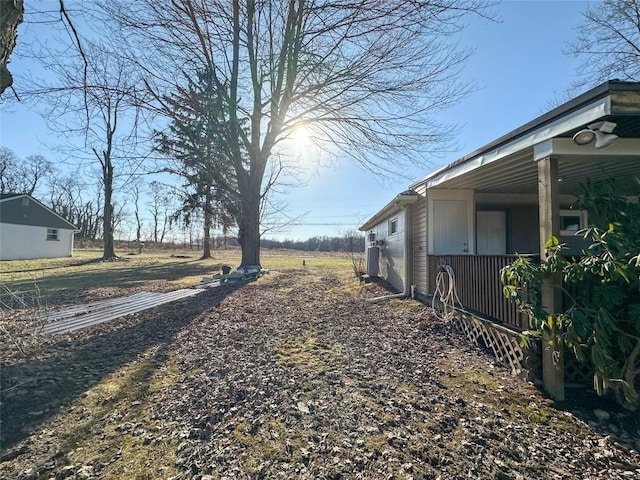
{"x": 401, "y": 200}
{"x": 566, "y": 148}
{"x": 619, "y": 101}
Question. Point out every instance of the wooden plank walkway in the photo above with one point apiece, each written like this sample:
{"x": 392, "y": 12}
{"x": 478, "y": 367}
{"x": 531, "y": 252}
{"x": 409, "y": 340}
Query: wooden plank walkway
{"x": 82, "y": 316}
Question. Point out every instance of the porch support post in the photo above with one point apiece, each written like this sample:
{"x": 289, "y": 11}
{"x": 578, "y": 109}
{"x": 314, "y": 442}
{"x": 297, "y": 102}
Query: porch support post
{"x": 549, "y": 210}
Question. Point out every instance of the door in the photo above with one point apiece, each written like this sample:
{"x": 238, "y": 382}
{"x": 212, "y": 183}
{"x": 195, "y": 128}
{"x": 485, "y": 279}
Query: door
{"x": 491, "y": 235}
{"x": 450, "y": 227}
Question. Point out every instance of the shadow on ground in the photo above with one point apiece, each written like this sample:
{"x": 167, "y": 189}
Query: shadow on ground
{"x": 55, "y": 289}
{"x": 33, "y": 391}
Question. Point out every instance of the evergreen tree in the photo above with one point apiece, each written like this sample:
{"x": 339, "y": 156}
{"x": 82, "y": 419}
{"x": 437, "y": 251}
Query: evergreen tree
{"x": 195, "y": 142}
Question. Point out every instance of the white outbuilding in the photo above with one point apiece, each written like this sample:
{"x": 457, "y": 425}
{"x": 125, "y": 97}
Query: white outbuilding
{"x": 29, "y": 229}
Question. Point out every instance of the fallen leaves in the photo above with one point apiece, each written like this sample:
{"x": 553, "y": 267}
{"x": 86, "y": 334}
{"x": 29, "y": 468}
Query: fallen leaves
{"x": 297, "y": 376}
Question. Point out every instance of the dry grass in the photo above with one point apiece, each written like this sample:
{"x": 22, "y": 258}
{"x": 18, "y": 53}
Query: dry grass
{"x": 295, "y": 375}
{"x": 84, "y": 277}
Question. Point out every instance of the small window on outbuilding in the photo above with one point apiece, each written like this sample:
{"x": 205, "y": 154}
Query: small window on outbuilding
{"x": 393, "y": 226}
{"x": 52, "y": 234}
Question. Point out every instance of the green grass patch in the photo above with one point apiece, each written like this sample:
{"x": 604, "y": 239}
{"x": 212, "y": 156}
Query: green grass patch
{"x": 308, "y": 355}
{"x": 312, "y": 264}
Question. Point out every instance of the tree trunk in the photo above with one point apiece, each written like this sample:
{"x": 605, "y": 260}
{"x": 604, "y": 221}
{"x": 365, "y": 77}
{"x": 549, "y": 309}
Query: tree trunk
{"x": 11, "y": 15}
{"x": 206, "y": 252}
{"x": 107, "y": 226}
{"x": 249, "y": 224}
{"x": 138, "y": 225}
{"x": 164, "y": 228}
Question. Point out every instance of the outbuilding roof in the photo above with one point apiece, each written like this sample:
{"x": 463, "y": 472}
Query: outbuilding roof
{"x": 23, "y": 209}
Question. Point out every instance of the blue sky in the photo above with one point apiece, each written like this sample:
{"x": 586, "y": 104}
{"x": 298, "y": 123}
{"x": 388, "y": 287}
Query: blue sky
{"x": 519, "y": 67}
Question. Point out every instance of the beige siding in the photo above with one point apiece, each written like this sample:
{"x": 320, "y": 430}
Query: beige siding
{"x": 392, "y": 251}
{"x": 420, "y": 243}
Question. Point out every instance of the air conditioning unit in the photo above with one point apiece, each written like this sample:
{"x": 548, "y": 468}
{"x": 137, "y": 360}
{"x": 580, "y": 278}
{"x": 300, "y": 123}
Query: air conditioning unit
{"x": 373, "y": 258}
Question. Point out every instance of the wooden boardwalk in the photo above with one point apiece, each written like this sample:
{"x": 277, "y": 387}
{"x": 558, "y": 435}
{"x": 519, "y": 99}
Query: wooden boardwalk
{"x": 86, "y": 315}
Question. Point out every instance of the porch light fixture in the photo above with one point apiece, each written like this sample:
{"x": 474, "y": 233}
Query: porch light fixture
{"x": 600, "y": 132}
{"x": 584, "y": 137}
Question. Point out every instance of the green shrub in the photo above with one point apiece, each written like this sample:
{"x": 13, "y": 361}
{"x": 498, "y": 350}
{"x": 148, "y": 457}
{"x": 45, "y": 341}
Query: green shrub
{"x": 601, "y": 317}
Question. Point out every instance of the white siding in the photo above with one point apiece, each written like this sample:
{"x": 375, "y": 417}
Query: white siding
{"x": 451, "y": 222}
{"x": 22, "y": 242}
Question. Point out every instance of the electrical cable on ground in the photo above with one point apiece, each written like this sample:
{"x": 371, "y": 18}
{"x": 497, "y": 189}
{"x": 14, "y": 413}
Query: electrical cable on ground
{"x": 446, "y": 291}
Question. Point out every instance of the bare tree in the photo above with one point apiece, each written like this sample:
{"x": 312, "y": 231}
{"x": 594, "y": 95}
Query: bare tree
{"x": 608, "y": 42}
{"x": 22, "y": 175}
{"x": 82, "y": 206}
{"x": 8, "y": 166}
{"x": 11, "y": 16}
{"x": 159, "y": 207}
{"x": 365, "y": 77}
{"x": 93, "y": 98}
{"x": 135, "y": 191}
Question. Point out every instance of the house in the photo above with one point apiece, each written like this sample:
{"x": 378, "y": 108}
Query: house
{"x": 506, "y": 198}
{"x": 28, "y": 229}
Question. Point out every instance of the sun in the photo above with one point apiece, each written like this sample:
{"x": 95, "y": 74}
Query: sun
{"x": 300, "y": 136}
{"x": 301, "y": 147}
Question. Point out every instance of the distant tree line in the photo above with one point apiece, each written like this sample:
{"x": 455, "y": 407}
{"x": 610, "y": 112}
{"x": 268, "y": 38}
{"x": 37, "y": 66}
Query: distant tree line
{"x": 346, "y": 243}
{"x": 82, "y": 203}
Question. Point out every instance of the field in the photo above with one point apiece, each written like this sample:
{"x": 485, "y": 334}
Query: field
{"x": 294, "y": 375}
{"x": 83, "y": 277}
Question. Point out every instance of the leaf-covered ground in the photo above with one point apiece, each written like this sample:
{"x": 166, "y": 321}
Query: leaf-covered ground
{"x": 293, "y": 376}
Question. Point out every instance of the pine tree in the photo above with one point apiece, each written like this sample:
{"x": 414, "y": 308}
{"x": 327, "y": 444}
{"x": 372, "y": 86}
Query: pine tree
{"x": 195, "y": 142}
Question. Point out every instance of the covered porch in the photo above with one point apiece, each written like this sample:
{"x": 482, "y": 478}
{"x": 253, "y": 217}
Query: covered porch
{"x": 511, "y": 196}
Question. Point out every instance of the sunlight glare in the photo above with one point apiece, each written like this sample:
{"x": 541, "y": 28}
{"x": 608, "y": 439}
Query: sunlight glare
{"x": 300, "y": 136}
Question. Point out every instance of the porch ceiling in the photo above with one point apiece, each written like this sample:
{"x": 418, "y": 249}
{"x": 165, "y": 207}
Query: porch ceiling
{"x": 518, "y": 173}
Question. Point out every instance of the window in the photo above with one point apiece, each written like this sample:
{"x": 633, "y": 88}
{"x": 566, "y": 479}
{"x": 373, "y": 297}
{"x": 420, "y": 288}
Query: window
{"x": 52, "y": 234}
{"x": 571, "y": 221}
{"x": 393, "y": 226}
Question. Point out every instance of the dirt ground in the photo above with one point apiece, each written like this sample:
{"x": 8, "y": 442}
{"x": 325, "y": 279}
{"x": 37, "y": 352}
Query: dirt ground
{"x": 293, "y": 376}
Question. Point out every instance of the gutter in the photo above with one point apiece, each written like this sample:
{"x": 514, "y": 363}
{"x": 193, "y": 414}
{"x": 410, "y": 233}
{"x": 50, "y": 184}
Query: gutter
{"x": 583, "y": 109}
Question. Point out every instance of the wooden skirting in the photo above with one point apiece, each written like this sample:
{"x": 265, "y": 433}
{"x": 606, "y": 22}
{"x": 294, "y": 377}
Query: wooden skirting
{"x": 477, "y": 282}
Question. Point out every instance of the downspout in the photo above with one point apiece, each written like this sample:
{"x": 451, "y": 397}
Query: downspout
{"x": 386, "y": 297}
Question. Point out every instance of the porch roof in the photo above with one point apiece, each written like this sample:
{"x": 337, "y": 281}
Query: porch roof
{"x": 508, "y": 164}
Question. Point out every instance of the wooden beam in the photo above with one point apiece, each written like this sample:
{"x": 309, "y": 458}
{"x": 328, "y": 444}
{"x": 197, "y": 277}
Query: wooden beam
{"x": 549, "y": 208}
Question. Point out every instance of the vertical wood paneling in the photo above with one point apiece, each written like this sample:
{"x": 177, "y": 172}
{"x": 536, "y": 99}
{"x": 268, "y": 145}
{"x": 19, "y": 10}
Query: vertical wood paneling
{"x": 478, "y": 285}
